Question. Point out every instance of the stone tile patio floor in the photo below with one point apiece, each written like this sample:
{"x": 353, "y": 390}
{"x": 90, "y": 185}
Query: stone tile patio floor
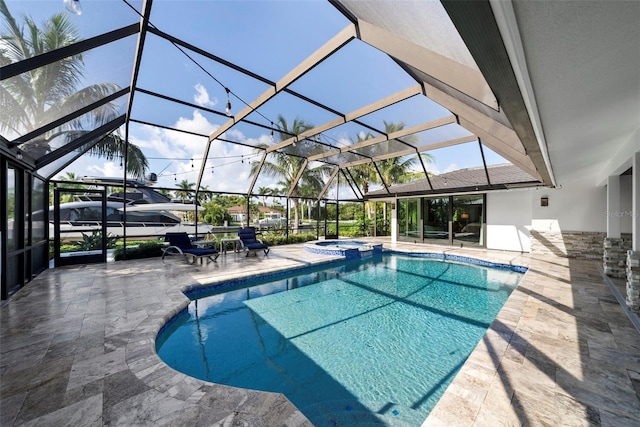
{"x": 77, "y": 348}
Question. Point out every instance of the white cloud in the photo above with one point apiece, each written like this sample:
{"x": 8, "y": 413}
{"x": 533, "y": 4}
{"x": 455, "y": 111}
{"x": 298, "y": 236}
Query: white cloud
{"x": 202, "y": 97}
{"x": 433, "y": 168}
{"x": 171, "y": 144}
{"x": 452, "y": 167}
{"x": 110, "y": 169}
{"x": 170, "y": 155}
{"x": 156, "y": 139}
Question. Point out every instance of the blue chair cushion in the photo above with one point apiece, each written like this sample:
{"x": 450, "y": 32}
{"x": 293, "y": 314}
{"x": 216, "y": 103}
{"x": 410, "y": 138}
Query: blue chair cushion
{"x": 249, "y": 240}
{"x": 200, "y": 251}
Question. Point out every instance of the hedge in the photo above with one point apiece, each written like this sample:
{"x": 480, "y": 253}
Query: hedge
{"x": 143, "y": 250}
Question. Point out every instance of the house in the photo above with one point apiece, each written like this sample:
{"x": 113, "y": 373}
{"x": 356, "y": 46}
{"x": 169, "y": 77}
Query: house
{"x": 239, "y": 213}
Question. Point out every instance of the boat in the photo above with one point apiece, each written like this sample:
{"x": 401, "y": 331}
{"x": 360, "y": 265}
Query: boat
{"x": 148, "y": 213}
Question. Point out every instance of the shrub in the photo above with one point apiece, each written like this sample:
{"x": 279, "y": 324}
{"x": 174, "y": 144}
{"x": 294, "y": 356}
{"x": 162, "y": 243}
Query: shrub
{"x": 143, "y": 250}
{"x": 94, "y": 241}
{"x": 273, "y": 239}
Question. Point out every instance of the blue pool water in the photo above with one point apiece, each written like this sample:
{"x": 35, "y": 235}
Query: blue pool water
{"x": 370, "y": 342}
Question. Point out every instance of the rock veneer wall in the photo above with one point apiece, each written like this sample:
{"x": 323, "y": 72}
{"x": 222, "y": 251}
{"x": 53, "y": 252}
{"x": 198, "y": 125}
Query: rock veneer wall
{"x": 568, "y": 244}
{"x": 633, "y": 281}
{"x": 614, "y": 260}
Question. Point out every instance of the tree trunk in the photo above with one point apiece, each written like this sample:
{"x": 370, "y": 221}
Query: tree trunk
{"x": 296, "y": 216}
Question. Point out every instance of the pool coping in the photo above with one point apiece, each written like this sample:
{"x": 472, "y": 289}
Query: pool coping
{"x": 194, "y": 289}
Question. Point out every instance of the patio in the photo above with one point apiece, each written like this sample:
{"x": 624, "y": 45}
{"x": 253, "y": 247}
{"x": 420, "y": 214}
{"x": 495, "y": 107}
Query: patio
{"x": 78, "y": 349}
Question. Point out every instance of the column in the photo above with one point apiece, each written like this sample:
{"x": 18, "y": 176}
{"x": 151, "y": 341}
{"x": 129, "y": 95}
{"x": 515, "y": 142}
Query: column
{"x": 613, "y": 207}
{"x": 394, "y": 221}
{"x": 614, "y": 259}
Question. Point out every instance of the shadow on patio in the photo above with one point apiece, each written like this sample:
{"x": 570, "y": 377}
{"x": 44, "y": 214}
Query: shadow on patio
{"x": 561, "y": 352}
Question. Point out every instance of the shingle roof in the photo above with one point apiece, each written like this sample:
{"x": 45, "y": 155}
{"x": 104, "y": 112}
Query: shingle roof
{"x": 463, "y": 180}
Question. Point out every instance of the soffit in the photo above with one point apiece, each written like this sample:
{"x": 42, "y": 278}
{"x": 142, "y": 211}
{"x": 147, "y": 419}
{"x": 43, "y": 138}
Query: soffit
{"x": 584, "y": 64}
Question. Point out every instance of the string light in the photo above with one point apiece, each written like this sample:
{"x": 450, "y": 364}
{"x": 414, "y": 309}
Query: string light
{"x": 192, "y": 163}
{"x": 78, "y": 10}
{"x": 249, "y": 156}
{"x": 272, "y": 131}
{"x": 228, "y": 109}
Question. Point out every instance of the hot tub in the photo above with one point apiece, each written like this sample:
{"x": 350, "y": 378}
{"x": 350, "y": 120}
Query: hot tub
{"x": 350, "y": 249}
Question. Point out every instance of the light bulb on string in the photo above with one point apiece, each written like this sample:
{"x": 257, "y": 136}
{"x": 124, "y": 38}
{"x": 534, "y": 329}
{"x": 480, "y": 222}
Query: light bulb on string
{"x": 73, "y": 6}
{"x": 192, "y": 163}
{"x": 228, "y": 109}
{"x": 242, "y": 159}
{"x": 175, "y": 178}
{"x": 271, "y": 131}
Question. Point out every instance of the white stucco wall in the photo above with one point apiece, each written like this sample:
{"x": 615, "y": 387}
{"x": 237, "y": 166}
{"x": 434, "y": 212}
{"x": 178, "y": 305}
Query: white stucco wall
{"x": 626, "y": 207}
{"x": 577, "y": 206}
{"x": 509, "y": 219}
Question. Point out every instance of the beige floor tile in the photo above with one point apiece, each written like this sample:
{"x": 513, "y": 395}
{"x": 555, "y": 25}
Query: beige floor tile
{"x": 77, "y": 344}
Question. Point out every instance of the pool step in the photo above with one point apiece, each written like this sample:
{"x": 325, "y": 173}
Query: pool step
{"x": 348, "y": 413}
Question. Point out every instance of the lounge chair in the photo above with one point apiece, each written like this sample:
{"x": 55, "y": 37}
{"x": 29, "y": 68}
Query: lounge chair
{"x": 250, "y": 242}
{"x": 181, "y": 244}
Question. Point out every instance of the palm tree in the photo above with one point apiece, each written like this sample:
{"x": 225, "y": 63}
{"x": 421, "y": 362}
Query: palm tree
{"x": 69, "y": 176}
{"x": 185, "y": 190}
{"x": 396, "y": 169}
{"x": 286, "y": 167}
{"x": 66, "y": 197}
{"x": 205, "y": 193}
{"x": 364, "y": 174}
{"x": 38, "y": 97}
{"x": 309, "y": 189}
{"x": 264, "y": 192}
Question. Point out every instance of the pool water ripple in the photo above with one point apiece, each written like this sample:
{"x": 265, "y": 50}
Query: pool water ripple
{"x": 393, "y": 330}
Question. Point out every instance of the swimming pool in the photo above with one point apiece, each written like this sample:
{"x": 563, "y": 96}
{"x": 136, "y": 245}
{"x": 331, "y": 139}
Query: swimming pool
{"x": 369, "y": 342}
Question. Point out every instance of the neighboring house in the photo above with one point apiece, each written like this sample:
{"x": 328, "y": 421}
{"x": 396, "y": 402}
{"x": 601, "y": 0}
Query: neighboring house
{"x": 239, "y": 213}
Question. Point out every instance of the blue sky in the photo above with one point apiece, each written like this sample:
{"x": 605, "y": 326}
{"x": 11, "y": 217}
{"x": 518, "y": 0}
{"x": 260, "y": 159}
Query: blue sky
{"x": 268, "y": 38}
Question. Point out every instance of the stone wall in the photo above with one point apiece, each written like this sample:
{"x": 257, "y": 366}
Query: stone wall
{"x": 568, "y": 244}
{"x": 614, "y": 260}
{"x": 633, "y": 281}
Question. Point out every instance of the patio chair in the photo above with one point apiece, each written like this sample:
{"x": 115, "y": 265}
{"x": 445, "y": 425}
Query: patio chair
{"x": 250, "y": 242}
{"x": 179, "y": 243}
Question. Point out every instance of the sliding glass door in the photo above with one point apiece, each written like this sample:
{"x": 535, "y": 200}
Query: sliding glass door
{"x": 436, "y": 219}
{"x": 409, "y": 220}
{"x": 468, "y": 219}
{"x": 457, "y": 220}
